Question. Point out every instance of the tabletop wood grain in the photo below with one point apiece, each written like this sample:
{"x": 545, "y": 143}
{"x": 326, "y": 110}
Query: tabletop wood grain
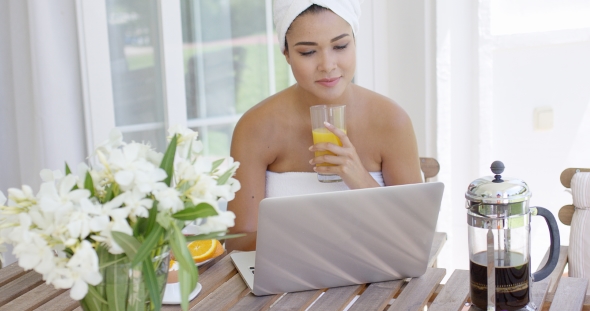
{"x": 224, "y": 289}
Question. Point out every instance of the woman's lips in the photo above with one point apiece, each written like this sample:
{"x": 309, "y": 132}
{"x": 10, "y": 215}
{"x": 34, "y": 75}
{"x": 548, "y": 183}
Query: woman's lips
{"x": 329, "y": 82}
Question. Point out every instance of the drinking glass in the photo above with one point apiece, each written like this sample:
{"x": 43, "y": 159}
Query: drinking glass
{"x": 334, "y": 115}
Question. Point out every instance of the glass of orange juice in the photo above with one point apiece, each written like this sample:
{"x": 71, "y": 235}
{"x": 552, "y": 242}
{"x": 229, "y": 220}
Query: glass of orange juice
{"x": 335, "y": 115}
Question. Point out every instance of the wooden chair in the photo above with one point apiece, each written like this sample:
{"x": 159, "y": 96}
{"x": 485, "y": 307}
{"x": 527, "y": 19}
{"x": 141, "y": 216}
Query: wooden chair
{"x": 566, "y": 212}
{"x": 429, "y": 167}
{"x": 565, "y": 216}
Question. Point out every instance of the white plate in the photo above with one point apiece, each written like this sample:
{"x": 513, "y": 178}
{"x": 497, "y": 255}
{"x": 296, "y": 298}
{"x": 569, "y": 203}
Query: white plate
{"x": 172, "y": 293}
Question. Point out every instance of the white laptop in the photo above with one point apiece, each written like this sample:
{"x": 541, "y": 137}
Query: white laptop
{"x": 341, "y": 238}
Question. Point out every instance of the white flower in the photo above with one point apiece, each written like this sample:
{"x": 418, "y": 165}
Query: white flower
{"x": 21, "y": 198}
{"x": 133, "y": 170}
{"x": 34, "y": 253}
{"x": 204, "y": 189}
{"x": 51, "y": 197}
{"x": 49, "y": 175}
{"x": 114, "y": 141}
{"x": 217, "y": 223}
{"x": 113, "y": 218}
{"x": 84, "y": 268}
{"x": 138, "y": 204}
{"x": 81, "y": 171}
{"x": 2, "y": 198}
{"x": 169, "y": 200}
{"x": 187, "y": 144}
{"x": 80, "y": 218}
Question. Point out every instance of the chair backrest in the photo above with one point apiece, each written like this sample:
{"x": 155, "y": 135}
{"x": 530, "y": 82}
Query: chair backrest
{"x": 566, "y": 212}
{"x": 429, "y": 167}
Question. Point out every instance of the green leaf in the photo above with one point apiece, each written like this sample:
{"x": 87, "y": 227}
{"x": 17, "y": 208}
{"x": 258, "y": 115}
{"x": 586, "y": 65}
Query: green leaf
{"x": 152, "y": 283}
{"x": 191, "y": 213}
{"x": 128, "y": 243}
{"x": 216, "y": 164}
{"x": 188, "y": 274}
{"x": 68, "y": 170}
{"x": 116, "y": 285}
{"x": 89, "y": 184}
{"x": 148, "y": 245}
{"x": 96, "y": 297}
{"x": 213, "y": 235}
{"x": 184, "y": 279}
{"x": 168, "y": 160}
{"x": 152, "y": 216}
{"x": 110, "y": 195}
{"x": 223, "y": 178}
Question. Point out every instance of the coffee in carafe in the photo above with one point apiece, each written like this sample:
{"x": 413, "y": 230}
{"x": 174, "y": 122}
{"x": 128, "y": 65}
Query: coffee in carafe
{"x": 512, "y": 280}
{"x": 498, "y": 215}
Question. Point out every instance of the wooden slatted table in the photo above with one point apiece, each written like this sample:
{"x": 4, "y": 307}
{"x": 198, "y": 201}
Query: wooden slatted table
{"x": 223, "y": 289}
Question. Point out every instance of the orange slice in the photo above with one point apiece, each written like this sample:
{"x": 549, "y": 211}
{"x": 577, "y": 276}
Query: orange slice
{"x": 202, "y": 250}
{"x": 218, "y": 250}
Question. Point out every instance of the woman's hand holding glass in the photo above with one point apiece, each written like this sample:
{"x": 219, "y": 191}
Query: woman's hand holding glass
{"x": 344, "y": 161}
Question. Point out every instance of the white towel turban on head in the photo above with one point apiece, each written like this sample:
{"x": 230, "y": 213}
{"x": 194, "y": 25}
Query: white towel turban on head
{"x": 285, "y": 12}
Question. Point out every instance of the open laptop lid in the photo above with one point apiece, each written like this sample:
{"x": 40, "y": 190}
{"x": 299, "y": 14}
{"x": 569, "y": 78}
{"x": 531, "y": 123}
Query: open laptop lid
{"x": 345, "y": 237}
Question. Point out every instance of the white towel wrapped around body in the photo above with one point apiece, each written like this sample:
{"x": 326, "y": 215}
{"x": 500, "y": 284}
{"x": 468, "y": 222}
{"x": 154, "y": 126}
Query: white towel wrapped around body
{"x": 285, "y": 12}
{"x": 297, "y": 183}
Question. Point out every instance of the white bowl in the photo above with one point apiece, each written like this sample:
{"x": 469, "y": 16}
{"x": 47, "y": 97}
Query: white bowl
{"x": 172, "y": 293}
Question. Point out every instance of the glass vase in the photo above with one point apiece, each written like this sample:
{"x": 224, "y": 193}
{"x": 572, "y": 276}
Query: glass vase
{"x": 123, "y": 287}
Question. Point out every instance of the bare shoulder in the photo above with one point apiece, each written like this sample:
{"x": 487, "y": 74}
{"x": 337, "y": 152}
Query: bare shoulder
{"x": 259, "y": 126}
{"x": 389, "y": 136}
{"x": 384, "y": 111}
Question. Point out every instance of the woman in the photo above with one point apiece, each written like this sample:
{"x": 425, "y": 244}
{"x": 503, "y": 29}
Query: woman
{"x": 272, "y": 140}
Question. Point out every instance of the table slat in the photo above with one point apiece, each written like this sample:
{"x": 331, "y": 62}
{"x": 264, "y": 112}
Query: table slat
{"x": 417, "y": 292}
{"x": 211, "y": 279}
{"x": 540, "y": 292}
{"x": 223, "y": 297}
{"x": 296, "y": 301}
{"x": 377, "y": 296}
{"x": 255, "y": 303}
{"x": 63, "y": 302}
{"x": 336, "y": 298}
{"x": 19, "y": 286}
{"x": 454, "y": 293}
{"x": 437, "y": 244}
{"x": 10, "y": 272}
{"x": 570, "y": 294}
{"x": 33, "y": 298}
{"x": 558, "y": 271}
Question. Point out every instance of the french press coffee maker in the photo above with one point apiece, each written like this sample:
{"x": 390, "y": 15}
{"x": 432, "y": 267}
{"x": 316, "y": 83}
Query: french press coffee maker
{"x": 499, "y": 218}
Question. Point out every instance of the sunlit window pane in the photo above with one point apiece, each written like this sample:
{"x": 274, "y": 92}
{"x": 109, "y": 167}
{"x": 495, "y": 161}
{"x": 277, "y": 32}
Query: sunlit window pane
{"x": 136, "y": 69}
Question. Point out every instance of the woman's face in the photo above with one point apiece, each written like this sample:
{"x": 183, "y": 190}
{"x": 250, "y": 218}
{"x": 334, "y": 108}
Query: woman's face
{"x": 322, "y": 53}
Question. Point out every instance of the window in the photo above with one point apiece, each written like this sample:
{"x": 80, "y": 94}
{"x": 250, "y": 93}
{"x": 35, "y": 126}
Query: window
{"x": 199, "y": 63}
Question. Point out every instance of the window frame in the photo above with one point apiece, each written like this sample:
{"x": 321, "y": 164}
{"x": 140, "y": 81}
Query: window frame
{"x": 98, "y": 98}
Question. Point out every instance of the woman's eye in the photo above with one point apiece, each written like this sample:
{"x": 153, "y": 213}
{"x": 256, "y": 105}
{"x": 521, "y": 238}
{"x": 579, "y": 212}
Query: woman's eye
{"x": 340, "y": 47}
{"x": 307, "y": 53}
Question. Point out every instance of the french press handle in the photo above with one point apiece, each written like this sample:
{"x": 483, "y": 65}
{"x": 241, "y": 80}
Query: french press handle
{"x": 553, "y": 248}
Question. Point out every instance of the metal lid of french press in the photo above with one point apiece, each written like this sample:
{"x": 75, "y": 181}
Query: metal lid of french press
{"x": 497, "y": 189}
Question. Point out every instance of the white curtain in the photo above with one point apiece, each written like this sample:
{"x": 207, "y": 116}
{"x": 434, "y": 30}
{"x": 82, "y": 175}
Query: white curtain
{"x": 41, "y": 109}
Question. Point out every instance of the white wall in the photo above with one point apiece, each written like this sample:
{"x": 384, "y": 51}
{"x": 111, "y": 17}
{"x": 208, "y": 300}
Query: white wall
{"x": 470, "y": 74}
{"x": 41, "y": 112}
{"x": 555, "y": 76}
{"x": 489, "y": 82}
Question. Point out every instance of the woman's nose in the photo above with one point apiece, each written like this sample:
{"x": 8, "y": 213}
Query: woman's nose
{"x": 327, "y": 62}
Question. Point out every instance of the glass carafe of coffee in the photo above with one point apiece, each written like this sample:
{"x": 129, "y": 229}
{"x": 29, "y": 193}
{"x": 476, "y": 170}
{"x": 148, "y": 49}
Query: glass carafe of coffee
{"x": 499, "y": 218}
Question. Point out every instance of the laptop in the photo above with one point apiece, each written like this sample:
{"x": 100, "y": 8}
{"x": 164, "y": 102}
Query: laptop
{"x": 341, "y": 238}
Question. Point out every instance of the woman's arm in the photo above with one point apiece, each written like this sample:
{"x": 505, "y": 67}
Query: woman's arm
{"x": 400, "y": 160}
{"x": 249, "y": 148}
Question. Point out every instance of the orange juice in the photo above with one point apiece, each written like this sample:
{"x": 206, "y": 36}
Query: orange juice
{"x": 323, "y": 135}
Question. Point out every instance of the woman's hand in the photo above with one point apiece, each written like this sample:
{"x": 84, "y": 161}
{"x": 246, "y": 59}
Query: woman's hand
{"x": 345, "y": 161}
